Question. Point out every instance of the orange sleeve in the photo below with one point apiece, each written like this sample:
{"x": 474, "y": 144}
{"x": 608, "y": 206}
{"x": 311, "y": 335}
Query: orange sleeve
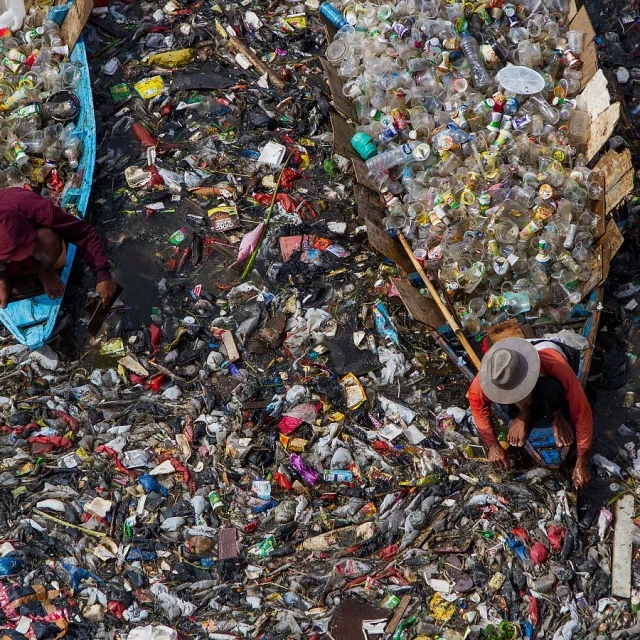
{"x": 481, "y": 410}
{"x": 554, "y": 364}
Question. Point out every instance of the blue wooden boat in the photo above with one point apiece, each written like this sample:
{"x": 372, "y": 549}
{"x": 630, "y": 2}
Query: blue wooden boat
{"x": 31, "y": 320}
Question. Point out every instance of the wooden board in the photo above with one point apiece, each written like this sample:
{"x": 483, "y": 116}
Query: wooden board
{"x": 74, "y": 22}
{"x": 424, "y": 310}
{"x": 507, "y": 329}
{"x": 601, "y": 129}
{"x": 598, "y": 206}
{"x": 390, "y": 247}
{"x": 610, "y": 242}
{"x": 341, "y": 102}
{"x": 398, "y": 614}
{"x": 369, "y": 204}
{"x": 343, "y": 131}
{"x": 329, "y": 28}
{"x": 622, "y": 548}
{"x": 595, "y": 97}
{"x": 613, "y": 165}
{"x": 590, "y": 333}
{"x": 616, "y": 194}
{"x": 589, "y": 55}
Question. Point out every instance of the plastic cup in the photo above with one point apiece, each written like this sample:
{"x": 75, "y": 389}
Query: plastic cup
{"x": 420, "y": 255}
{"x": 477, "y": 307}
{"x": 575, "y": 40}
{"x": 594, "y": 189}
{"x": 460, "y": 85}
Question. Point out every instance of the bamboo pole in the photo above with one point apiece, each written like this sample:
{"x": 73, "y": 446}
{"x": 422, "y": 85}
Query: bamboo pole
{"x": 260, "y": 66}
{"x": 451, "y": 321}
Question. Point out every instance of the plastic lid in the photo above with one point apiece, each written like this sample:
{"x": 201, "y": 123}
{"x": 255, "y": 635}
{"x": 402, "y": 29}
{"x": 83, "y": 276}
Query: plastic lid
{"x": 520, "y": 80}
{"x": 336, "y": 51}
{"x": 364, "y": 145}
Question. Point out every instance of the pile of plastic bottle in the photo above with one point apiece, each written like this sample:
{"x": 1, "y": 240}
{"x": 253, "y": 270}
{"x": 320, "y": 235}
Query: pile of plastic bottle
{"x": 38, "y": 143}
{"x": 469, "y": 128}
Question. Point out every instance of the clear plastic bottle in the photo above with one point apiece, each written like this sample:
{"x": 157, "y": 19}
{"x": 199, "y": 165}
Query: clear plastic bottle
{"x": 480, "y": 77}
{"x": 392, "y": 158}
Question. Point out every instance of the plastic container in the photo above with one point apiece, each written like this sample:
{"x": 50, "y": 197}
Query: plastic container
{"x": 579, "y": 124}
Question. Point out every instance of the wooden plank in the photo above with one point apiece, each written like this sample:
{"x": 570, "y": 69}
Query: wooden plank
{"x": 422, "y": 309}
{"x": 329, "y": 28}
{"x": 398, "y": 614}
{"x": 622, "y": 548}
{"x": 610, "y": 242}
{"x": 595, "y": 97}
{"x": 341, "y": 102}
{"x": 616, "y": 194}
{"x": 507, "y": 329}
{"x": 230, "y": 345}
{"x": 573, "y": 9}
{"x": 342, "y": 133}
{"x": 74, "y": 22}
{"x": 590, "y": 332}
{"x": 390, "y": 247}
{"x": 595, "y": 279}
{"x": 613, "y": 165}
{"x": 369, "y": 203}
{"x": 598, "y": 207}
{"x": 589, "y": 55}
{"x": 601, "y": 129}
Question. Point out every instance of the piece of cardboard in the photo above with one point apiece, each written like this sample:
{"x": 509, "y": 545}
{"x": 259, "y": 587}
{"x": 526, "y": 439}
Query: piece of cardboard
{"x": 390, "y": 247}
{"x": 589, "y": 55}
{"x": 424, "y": 310}
{"x": 613, "y": 165}
{"x": 340, "y": 101}
{"x": 74, "y": 21}
{"x": 616, "y": 194}
{"x": 601, "y": 129}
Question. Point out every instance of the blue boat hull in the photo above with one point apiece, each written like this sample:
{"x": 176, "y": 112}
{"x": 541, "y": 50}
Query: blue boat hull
{"x": 32, "y": 320}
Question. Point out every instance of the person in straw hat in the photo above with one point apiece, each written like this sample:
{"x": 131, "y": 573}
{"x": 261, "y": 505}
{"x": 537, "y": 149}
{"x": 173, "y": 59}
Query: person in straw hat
{"x": 536, "y": 384}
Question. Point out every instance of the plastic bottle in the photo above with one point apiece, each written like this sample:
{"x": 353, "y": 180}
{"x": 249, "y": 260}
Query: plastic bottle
{"x": 393, "y": 157}
{"x": 480, "y": 77}
{"x": 330, "y": 13}
{"x": 516, "y": 303}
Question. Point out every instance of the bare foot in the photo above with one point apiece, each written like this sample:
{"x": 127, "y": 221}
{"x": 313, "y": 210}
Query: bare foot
{"x": 52, "y": 284}
{"x": 562, "y": 430}
{"x": 5, "y": 290}
{"x": 517, "y": 435}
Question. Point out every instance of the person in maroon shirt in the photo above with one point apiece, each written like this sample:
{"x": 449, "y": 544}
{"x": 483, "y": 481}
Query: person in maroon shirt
{"x": 32, "y": 231}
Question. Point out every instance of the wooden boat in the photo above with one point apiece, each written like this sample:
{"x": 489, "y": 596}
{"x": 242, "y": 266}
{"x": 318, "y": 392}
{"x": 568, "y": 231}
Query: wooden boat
{"x": 32, "y": 319}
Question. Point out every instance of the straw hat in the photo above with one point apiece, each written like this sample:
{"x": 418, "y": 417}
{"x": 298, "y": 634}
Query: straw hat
{"x": 509, "y": 370}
